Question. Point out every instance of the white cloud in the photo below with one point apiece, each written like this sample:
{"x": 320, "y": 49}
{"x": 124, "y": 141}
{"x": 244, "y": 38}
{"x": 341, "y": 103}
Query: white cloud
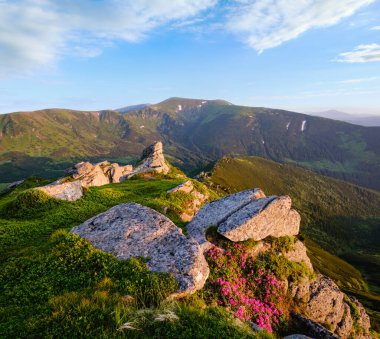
{"x": 269, "y": 23}
{"x": 362, "y": 53}
{"x": 36, "y": 32}
{"x": 376, "y": 28}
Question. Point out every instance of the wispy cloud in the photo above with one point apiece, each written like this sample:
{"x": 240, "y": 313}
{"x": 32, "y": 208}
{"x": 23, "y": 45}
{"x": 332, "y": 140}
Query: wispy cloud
{"x": 376, "y": 28}
{"x": 358, "y": 80}
{"x": 37, "y": 32}
{"x": 269, "y": 23}
{"x": 362, "y": 53}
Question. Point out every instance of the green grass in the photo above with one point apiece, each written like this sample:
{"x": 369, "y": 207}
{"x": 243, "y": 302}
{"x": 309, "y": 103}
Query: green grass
{"x": 55, "y": 284}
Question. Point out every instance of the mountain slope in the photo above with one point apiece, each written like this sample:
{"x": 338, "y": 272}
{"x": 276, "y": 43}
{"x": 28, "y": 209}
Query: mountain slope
{"x": 195, "y": 132}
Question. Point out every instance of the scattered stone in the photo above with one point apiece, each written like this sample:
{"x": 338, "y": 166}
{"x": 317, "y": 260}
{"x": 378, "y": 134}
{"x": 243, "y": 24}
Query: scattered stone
{"x": 269, "y": 216}
{"x": 186, "y": 187}
{"x": 297, "y": 336}
{"x": 215, "y": 212}
{"x": 71, "y": 190}
{"x": 131, "y": 230}
{"x": 298, "y": 254}
{"x": 197, "y": 201}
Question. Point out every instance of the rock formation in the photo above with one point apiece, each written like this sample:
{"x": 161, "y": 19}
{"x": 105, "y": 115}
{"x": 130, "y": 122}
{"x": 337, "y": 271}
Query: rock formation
{"x": 99, "y": 174}
{"x": 131, "y": 230}
{"x": 215, "y": 212}
{"x": 104, "y": 173}
{"x": 329, "y": 306}
{"x": 152, "y": 159}
{"x": 251, "y": 215}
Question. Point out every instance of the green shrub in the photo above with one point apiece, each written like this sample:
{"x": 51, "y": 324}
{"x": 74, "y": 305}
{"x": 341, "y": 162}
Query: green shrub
{"x": 282, "y": 244}
{"x": 31, "y": 202}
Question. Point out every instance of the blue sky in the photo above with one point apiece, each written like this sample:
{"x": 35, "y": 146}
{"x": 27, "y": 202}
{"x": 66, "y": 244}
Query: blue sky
{"x": 303, "y": 55}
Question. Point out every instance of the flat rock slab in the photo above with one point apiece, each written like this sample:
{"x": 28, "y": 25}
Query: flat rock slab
{"x": 215, "y": 212}
{"x": 269, "y": 216}
{"x": 131, "y": 230}
{"x": 70, "y": 191}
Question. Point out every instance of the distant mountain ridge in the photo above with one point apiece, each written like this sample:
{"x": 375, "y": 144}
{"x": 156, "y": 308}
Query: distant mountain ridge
{"x": 195, "y": 132}
{"x": 362, "y": 120}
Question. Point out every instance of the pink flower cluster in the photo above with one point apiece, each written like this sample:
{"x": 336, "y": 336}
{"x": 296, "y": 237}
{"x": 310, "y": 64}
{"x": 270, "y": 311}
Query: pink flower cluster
{"x": 249, "y": 291}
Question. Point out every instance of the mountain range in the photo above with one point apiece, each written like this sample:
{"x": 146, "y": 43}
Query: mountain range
{"x": 363, "y": 120}
{"x": 195, "y": 133}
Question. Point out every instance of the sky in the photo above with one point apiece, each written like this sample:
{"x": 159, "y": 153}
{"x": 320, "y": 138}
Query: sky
{"x": 300, "y": 55}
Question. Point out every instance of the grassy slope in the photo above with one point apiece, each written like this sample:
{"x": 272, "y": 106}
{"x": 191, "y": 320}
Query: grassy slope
{"x": 342, "y": 218}
{"x": 53, "y": 284}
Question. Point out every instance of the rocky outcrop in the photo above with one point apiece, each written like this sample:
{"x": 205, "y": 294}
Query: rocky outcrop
{"x": 198, "y": 198}
{"x": 131, "y": 230}
{"x": 104, "y": 173}
{"x": 330, "y": 307}
{"x": 152, "y": 159}
{"x": 71, "y": 190}
{"x": 269, "y": 216}
{"x": 215, "y": 212}
{"x": 99, "y": 174}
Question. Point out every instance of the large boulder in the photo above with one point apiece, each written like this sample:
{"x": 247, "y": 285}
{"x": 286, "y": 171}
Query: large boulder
{"x": 326, "y": 304}
{"x": 269, "y": 216}
{"x": 131, "y": 230}
{"x": 70, "y": 190}
{"x": 215, "y": 212}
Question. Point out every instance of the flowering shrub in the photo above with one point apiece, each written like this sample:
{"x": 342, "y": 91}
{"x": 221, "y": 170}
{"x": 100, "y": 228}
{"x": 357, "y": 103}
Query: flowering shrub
{"x": 250, "y": 291}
